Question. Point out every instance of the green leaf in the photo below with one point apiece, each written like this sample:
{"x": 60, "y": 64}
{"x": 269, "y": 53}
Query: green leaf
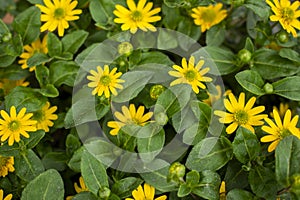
{"x": 215, "y": 35}
{"x": 48, "y": 185}
{"x": 73, "y": 41}
{"x": 171, "y": 17}
{"x": 246, "y": 146}
{"x": 42, "y": 75}
{"x": 210, "y": 154}
{"x": 135, "y": 81}
{"x": 63, "y": 72}
{"x": 183, "y": 190}
{"x": 258, "y": 7}
{"x": 21, "y": 97}
{"x": 166, "y": 40}
{"x": 84, "y": 196}
{"x": 93, "y": 172}
{"x": 49, "y": 91}
{"x": 287, "y": 158}
{"x": 290, "y": 54}
{"x": 36, "y": 1}
{"x": 270, "y": 65}
{"x": 188, "y": 28}
{"x": 28, "y": 24}
{"x": 54, "y": 45}
{"x": 124, "y": 187}
{"x": 249, "y": 45}
{"x": 251, "y": 81}
{"x": 38, "y": 59}
{"x": 6, "y": 150}
{"x": 288, "y": 87}
{"x": 34, "y": 139}
{"x": 102, "y": 12}
{"x": 239, "y": 194}
{"x": 55, "y": 160}
{"x": 13, "y": 72}
{"x": 236, "y": 176}
{"x": 192, "y": 178}
{"x": 75, "y": 161}
{"x": 28, "y": 165}
{"x": 72, "y": 144}
{"x": 3, "y": 28}
{"x": 208, "y": 187}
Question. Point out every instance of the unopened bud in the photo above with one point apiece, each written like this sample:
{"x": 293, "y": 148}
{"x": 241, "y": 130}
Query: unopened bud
{"x": 268, "y": 88}
{"x": 176, "y": 171}
{"x": 125, "y": 48}
{"x": 156, "y": 90}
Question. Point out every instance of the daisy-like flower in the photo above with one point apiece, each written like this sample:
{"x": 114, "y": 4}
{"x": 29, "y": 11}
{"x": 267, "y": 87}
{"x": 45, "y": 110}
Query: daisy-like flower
{"x": 57, "y": 13}
{"x": 208, "y": 16}
{"x": 283, "y": 107}
{"x": 222, "y": 191}
{"x": 15, "y": 124}
{"x": 190, "y": 74}
{"x": 241, "y": 114}
{"x": 37, "y": 46}
{"x": 137, "y": 17}
{"x": 79, "y": 189}
{"x": 8, "y": 197}
{"x": 6, "y": 165}
{"x": 7, "y": 85}
{"x": 129, "y": 116}
{"x": 145, "y": 194}
{"x": 104, "y": 81}
{"x": 279, "y": 130}
{"x": 44, "y": 117}
{"x": 287, "y": 14}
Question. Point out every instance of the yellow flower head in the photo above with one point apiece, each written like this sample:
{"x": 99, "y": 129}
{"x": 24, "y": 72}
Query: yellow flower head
{"x": 78, "y": 189}
{"x": 222, "y": 191}
{"x": 14, "y": 125}
{"x": 37, "y": 46}
{"x": 279, "y": 130}
{"x": 56, "y": 14}
{"x": 190, "y": 74}
{"x": 241, "y": 114}
{"x": 44, "y": 117}
{"x": 6, "y": 165}
{"x": 104, "y": 81}
{"x": 137, "y": 17}
{"x": 283, "y": 107}
{"x": 129, "y": 116}
{"x": 7, "y": 85}
{"x": 145, "y": 194}
{"x": 287, "y": 14}
{"x": 8, "y": 197}
{"x": 208, "y": 16}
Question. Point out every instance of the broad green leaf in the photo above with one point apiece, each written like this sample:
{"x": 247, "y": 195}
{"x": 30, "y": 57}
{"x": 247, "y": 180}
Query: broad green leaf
{"x": 102, "y": 12}
{"x": 171, "y": 17}
{"x": 290, "y": 54}
{"x": 166, "y": 40}
{"x": 215, "y": 35}
{"x": 251, "y": 81}
{"x": 246, "y": 146}
{"x": 28, "y": 165}
{"x": 38, "y": 59}
{"x": 124, "y": 187}
{"x": 54, "y": 45}
{"x": 63, "y": 72}
{"x": 13, "y": 72}
{"x": 72, "y": 144}
{"x": 75, "y": 161}
{"x": 47, "y": 186}
{"x": 249, "y": 45}
{"x": 210, "y": 154}
{"x": 28, "y": 24}
{"x": 288, "y": 87}
{"x": 55, "y": 160}
{"x": 184, "y": 190}
{"x": 73, "y": 41}
{"x": 239, "y": 194}
{"x": 34, "y": 139}
{"x": 93, "y": 172}
{"x": 155, "y": 57}
{"x": 192, "y": 178}
{"x": 85, "y": 196}
{"x": 258, "y": 7}
{"x": 13, "y": 150}
{"x": 287, "y": 158}
{"x": 10, "y": 50}
{"x": 188, "y": 28}
{"x": 236, "y": 176}
{"x": 49, "y": 90}
{"x": 42, "y": 75}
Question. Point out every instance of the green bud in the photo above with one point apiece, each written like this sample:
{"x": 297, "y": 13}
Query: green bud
{"x": 6, "y": 37}
{"x": 125, "y": 48}
{"x": 268, "y": 88}
{"x": 104, "y": 193}
{"x": 156, "y": 90}
{"x": 244, "y": 56}
{"x": 122, "y": 63}
{"x": 161, "y": 118}
{"x": 282, "y": 37}
{"x": 176, "y": 171}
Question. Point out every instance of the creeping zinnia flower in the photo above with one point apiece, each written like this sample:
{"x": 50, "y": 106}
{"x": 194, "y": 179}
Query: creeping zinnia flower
{"x": 14, "y": 125}
{"x": 29, "y": 50}
{"x": 137, "y": 17}
{"x": 6, "y": 165}
{"x": 8, "y": 197}
{"x": 56, "y": 14}
{"x": 44, "y": 117}
{"x": 241, "y": 114}
{"x": 129, "y": 116}
{"x": 79, "y": 189}
{"x": 283, "y": 107}
{"x": 208, "y": 16}
{"x": 145, "y": 194}
{"x": 287, "y": 14}
{"x": 190, "y": 74}
{"x": 104, "y": 81}
{"x": 279, "y": 130}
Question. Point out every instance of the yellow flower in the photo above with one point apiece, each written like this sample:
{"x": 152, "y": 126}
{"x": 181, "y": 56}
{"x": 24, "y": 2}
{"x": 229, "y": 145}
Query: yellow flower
{"x": 283, "y": 107}
{"x": 190, "y": 74}
{"x": 145, "y": 194}
{"x": 56, "y": 14}
{"x": 44, "y": 117}
{"x": 287, "y": 14}
{"x": 7, "y": 85}
{"x": 222, "y": 191}
{"x": 78, "y": 189}
{"x": 104, "y": 81}
{"x": 8, "y": 197}
{"x": 241, "y": 114}
{"x": 129, "y": 116}
{"x": 11, "y": 127}
{"x": 6, "y": 165}
{"x": 208, "y": 16}
{"x": 213, "y": 98}
{"x": 137, "y": 17}
{"x": 280, "y": 130}
{"x": 37, "y": 46}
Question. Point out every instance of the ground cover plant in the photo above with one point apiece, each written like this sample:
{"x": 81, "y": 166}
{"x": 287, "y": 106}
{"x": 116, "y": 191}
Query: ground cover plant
{"x": 149, "y": 99}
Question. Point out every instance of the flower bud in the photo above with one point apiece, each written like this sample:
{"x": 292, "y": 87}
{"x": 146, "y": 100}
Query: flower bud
{"x": 268, "y": 88}
{"x": 6, "y": 37}
{"x": 176, "y": 171}
{"x": 282, "y": 37}
{"x": 155, "y": 91}
{"x": 244, "y": 56}
{"x": 104, "y": 193}
{"x": 161, "y": 118}
{"x": 125, "y": 48}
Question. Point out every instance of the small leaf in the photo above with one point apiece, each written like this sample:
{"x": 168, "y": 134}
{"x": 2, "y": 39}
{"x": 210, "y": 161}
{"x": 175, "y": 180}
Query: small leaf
{"x": 54, "y": 45}
{"x": 63, "y": 72}
{"x": 38, "y": 59}
{"x": 251, "y": 81}
{"x": 124, "y": 187}
{"x": 49, "y": 91}
{"x": 215, "y": 35}
{"x": 240, "y": 194}
{"x": 102, "y": 12}
{"x": 55, "y": 160}
{"x": 192, "y": 178}
{"x": 183, "y": 190}
{"x": 73, "y": 41}
{"x": 42, "y": 75}
{"x": 290, "y": 54}
{"x": 288, "y": 87}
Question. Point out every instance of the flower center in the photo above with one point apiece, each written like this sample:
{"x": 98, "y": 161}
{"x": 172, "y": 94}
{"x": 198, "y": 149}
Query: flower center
{"x": 190, "y": 75}
{"x": 105, "y": 80}
{"x": 3, "y": 161}
{"x": 14, "y": 125}
{"x": 241, "y": 117}
{"x": 208, "y": 15}
{"x": 59, "y": 13}
{"x": 287, "y": 14}
{"x": 136, "y": 16}
{"x": 284, "y": 133}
